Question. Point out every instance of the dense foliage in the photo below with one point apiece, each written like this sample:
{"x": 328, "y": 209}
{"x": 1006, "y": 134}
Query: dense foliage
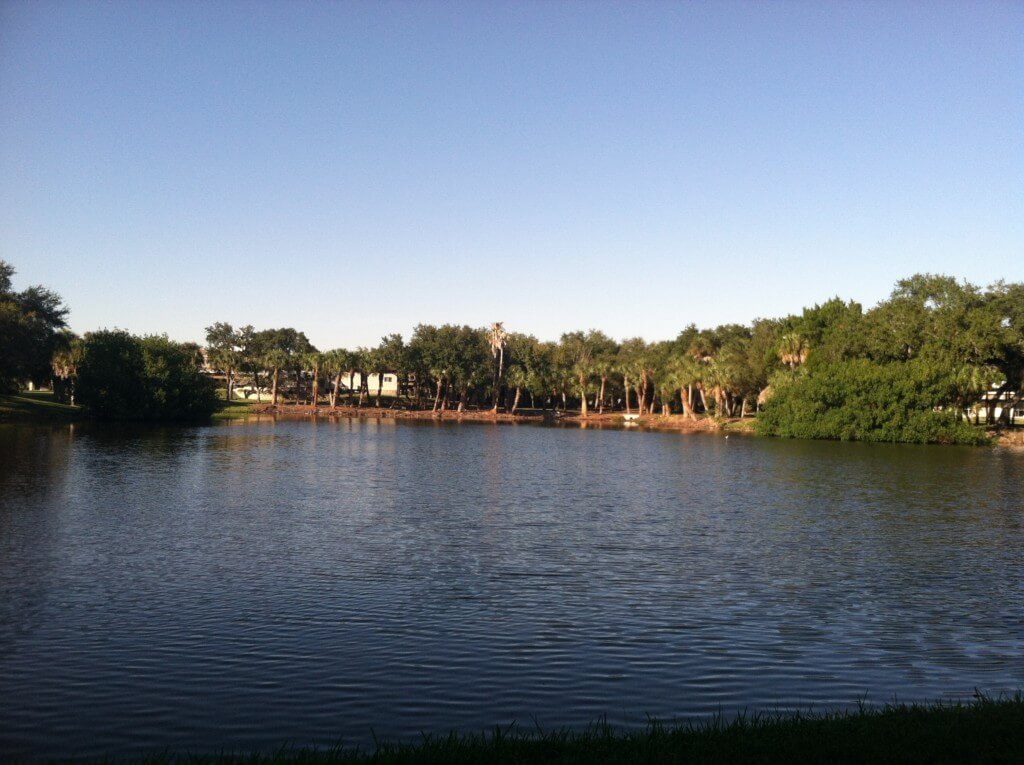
{"x": 30, "y": 324}
{"x": 123, "y": 377}
{"x": 915, "y": 368}
{"x": 862, "y": 400}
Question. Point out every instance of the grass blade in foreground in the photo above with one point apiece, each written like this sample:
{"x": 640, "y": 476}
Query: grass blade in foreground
{"x": 985, "y": 731}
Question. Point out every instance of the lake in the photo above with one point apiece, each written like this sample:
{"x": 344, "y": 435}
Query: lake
{"x": 252, "y": 583}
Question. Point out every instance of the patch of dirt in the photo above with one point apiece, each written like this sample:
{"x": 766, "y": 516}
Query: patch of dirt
{"x": 1012, "y": 438}
{"x": 608, "y": 419}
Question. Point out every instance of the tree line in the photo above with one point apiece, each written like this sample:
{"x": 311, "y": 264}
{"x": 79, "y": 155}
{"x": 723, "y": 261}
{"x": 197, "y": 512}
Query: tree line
{"x": 922, "y": 365}
{"x": 917, "y": 367}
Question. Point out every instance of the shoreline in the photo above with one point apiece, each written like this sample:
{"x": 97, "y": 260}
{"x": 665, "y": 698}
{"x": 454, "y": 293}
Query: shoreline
{"x": 677, "y": 423}
{"x": 980, "y": 731}
{"x": 673, "y": 422}
{"x": 40, "y": 408}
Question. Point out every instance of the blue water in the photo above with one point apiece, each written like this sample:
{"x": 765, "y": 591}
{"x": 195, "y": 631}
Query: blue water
{"x": 249, "y": 584}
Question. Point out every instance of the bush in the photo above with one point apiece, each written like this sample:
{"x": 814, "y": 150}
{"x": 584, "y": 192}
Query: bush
{"x": 176, "y": 389}
{"x": 122, "y": 377}
{"x": 861, "y": 400}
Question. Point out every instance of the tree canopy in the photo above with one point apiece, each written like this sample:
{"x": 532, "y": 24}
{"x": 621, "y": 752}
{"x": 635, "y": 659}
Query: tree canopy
{"x": 30, "y": 324}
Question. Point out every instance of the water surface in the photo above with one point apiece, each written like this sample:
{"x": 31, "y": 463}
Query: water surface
{"x": 242, "y": 585}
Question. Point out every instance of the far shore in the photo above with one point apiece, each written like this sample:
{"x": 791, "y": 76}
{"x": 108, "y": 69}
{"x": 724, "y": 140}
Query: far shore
{"x": 1013, "y": 439}
{"x": 39, "y": 406}
{"x": 606, "y": 419}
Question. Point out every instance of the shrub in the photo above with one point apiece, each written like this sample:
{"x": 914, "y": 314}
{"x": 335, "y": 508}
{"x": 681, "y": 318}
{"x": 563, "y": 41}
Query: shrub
{"x": 123, "y": 377}
{"x": 865, "y": 401}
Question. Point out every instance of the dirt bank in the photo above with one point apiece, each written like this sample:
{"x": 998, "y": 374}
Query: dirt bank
{"x": 608, "y": 419}
{"x": 1011, "y": 438}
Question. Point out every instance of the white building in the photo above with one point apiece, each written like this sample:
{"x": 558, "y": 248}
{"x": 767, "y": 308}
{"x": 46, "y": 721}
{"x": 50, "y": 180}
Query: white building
{"x": 389, "y": 386}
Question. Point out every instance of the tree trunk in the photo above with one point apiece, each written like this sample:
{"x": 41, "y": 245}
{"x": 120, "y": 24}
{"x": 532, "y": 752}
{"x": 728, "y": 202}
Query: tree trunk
{"x": 463, "y": 396}
{"x": 351, "y": 385}
{"x": 380, "y": 387}
{"x": 437, "y": 398}
{"x": 743, "y": 407}
{"x": 992, "y": 402}
{"x": 515, "y": 403}
{"x": 600, "y": 401}
{"x": 687, "y": 407}
{"x": 625, "y": 384}
{"x": 230, "y": 386}
{"x": 273, "y": 390}
{"x": 337, "y": 390}
{"x": 316, "y": 386}
{"x": 1009, "y": 407}
{"x": 583, "y": 401}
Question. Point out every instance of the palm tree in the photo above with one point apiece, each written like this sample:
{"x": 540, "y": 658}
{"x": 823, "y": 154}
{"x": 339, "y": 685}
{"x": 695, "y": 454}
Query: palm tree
{"x": 497, "y": 339}
{"x": 314, "y": 360}
{"x": 275, "y": 359}
{"x": 577, "y": 354}
{"x": 221, "y": 346}
{"x": 970, "y": 381}
{"x": 629, "y": 361}
{"x": 793, "y": 349}
{"x": 67, "y": 352}
{"x": 685, "y": 371}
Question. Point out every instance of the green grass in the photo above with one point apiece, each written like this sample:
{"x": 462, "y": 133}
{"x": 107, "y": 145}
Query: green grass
{"x": 36, "y": 406}
{"x": 984, "y": 731}
{"x": 233, "y": 410}
{"x": 39, "y": 406}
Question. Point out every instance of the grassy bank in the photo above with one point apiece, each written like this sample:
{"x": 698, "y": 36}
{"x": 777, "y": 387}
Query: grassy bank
{"x": 36, "y": 406}
{"x": 985, "y": 731}
{"x": 232, "y": 410}
{"x": 40, "y": 406}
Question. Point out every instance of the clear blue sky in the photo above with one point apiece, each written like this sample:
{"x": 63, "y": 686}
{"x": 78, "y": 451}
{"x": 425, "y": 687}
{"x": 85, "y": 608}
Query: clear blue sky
{"x": 353, "y": 169}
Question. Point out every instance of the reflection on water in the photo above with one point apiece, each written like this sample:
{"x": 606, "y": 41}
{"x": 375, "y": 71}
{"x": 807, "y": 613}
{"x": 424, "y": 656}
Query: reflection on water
{"x": 247, "y": 584}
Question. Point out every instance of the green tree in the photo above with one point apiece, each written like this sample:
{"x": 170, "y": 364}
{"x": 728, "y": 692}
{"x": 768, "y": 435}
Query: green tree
{"x": 576, "y": 352}
{"x": 392, "y": 355}
{"x": 176, "y": 388}
{"x": 111, "y": 377}
{"x": 123, "y": 377}
{"x": 222, "y": 349}
{"x": 866, "y": 401}
{"x": 30, "y": 324}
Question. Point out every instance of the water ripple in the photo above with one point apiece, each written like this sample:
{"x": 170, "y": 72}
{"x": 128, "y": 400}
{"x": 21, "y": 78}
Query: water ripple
{"x": 239, "y": 586}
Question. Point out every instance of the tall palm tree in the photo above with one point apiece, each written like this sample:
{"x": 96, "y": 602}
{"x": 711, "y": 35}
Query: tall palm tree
{"x": 275, "y": 359}
{"x": 497, "y": 338}
{"x": 313, "y": 361}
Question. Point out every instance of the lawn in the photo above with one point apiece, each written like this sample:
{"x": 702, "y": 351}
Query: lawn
{"x": 36, "y": 406}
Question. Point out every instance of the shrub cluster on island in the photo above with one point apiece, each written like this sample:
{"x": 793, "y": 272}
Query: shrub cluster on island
{"x": 927, "y": 365}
